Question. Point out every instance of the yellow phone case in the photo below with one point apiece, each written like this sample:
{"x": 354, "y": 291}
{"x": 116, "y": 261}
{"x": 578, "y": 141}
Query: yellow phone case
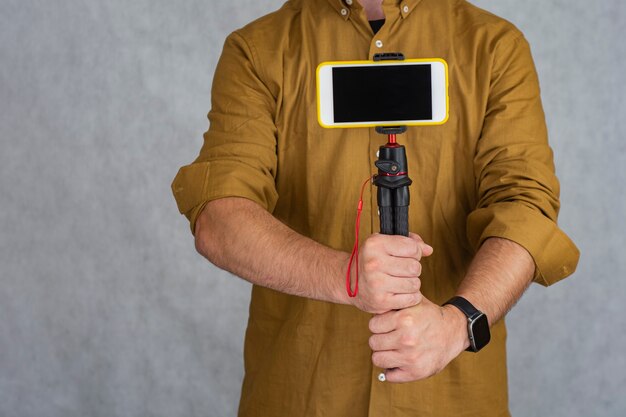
{"x": 317, "y": 79}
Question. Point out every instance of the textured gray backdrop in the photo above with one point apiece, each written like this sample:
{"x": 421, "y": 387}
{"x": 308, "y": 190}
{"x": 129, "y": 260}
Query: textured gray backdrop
{"x": 106, "y": 310}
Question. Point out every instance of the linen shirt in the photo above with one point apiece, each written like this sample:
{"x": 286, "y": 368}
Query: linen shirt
{"x": 487, "y": 172}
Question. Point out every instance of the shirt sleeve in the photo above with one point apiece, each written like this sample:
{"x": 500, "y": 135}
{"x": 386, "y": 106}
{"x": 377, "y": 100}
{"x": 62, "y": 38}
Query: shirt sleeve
{"x": 238, "y": 157}
{"x": 518, "y": 192}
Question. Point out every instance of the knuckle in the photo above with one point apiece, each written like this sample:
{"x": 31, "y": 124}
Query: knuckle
{"x": 370, "y": 246}
{"x": 371, "y": 265}
{"x": 406, "y": 321}
{"x": 374, "y": 241}
{"x": 407, "y": 340}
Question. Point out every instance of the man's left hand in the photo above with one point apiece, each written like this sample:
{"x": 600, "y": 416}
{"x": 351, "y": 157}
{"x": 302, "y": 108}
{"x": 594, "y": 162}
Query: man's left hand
{"x": 417, "y": 342}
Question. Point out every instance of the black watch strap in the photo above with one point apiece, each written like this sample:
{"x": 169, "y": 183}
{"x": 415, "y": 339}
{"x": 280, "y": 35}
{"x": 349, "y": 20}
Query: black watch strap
{"x": 477, "y": 323}
{"x": 465, "y": 306}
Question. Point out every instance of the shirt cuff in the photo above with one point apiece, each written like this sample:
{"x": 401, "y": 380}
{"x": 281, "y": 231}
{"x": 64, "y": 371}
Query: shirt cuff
{"x": 555, "y": 255}
{"x": 201, "y": 182}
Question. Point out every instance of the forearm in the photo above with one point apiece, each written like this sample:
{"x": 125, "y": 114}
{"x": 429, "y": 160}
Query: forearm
{"x": 498, "y": 276}
{"x": 241, "y": 237}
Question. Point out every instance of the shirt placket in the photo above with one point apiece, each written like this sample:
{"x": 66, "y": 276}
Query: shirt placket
{"x": 381, "y": 393}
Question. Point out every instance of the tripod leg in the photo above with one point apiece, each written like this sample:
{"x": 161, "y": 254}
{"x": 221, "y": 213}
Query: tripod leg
{"x": 401, "y": 216}
{"x": 385, "y": 209}
{"x": 386, "y": 220}
{"x": 393, "y": 205}
{"x": 401, "y": 211}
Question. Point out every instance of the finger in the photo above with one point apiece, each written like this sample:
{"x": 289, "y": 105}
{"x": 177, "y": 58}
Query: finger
{"x": 415, "y": 236}
{"x": 382, "y": 323}
{"x": 427, "y": 250}
{"x": 398, "y": 375}
{"x": 402, "y": 301}
{"x": 404, "y": 285}
{"x": 383, "y": 342}
{"x": 401, "y": 267}
{"x": 401, "y": 246}
{"x": 387, "y": 359}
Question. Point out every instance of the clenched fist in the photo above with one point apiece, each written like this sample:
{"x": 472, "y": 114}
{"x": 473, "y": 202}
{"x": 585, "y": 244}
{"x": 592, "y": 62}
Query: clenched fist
{"x": 389, "y": 270}
{"x": 417, "y": 342}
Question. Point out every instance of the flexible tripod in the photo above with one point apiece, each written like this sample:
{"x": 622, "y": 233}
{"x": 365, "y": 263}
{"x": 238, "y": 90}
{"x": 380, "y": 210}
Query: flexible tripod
{"x": 393, "y": 184}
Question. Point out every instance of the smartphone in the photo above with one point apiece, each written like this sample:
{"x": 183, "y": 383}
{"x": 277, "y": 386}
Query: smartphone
{"x": 412, "y": 92}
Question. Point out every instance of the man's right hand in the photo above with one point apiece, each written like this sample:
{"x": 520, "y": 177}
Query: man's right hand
{"x": 389, "y": 270}
{"x": 228, "y": 230}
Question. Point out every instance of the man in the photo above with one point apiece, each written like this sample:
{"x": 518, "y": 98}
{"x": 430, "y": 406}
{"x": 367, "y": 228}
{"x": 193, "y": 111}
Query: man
{"x": 272, "y": 199}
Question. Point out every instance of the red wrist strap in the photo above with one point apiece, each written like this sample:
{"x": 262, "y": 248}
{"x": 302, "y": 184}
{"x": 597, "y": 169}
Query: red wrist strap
{"x": 355, "y": 250}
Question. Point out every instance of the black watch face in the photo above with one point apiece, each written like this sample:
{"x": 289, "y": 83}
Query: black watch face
{"x": 480, "y": 330}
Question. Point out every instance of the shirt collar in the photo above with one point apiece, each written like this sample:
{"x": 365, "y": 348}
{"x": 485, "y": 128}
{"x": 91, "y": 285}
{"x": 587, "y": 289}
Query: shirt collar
{"x": 346, "y": 7}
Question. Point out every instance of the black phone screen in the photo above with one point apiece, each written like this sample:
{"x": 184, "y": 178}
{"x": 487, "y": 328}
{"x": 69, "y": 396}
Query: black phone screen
{"x": 382, "y": 93}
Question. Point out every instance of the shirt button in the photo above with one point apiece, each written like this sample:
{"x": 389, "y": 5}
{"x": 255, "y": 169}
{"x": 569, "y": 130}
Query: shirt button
{"x": 405, "y": 9}
{"x": 379, "y": 43}
{"x": 349, "y": 2}
{"x": 344, "y": 12}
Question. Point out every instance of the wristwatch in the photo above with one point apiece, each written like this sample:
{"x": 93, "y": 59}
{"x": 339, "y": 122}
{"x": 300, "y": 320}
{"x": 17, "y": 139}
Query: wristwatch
{"x": 477, "y": 323}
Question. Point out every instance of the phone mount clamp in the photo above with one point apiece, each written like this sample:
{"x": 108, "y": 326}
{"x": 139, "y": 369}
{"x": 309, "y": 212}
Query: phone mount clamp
{"x": 392, "y": 178}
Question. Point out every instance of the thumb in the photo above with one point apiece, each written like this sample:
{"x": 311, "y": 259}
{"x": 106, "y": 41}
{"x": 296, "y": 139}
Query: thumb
{"x": 427, "y": 250}
{"x": 397, "y": 375}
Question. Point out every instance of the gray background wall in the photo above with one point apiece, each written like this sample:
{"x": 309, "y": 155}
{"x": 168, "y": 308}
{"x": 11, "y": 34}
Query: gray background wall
{"x": 106, "y": 310}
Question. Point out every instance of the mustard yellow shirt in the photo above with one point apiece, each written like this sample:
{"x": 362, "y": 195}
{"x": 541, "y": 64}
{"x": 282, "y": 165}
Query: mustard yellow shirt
{"x": 487, "y": 172}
